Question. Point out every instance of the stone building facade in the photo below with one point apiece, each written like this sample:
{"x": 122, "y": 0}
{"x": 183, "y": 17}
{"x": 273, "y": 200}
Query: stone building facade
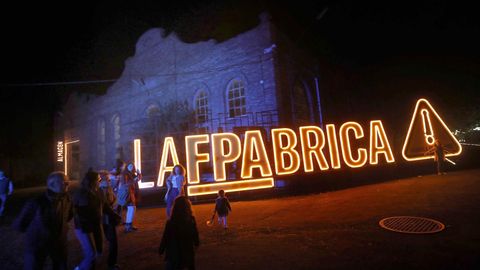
{"x": 255, "y": 80}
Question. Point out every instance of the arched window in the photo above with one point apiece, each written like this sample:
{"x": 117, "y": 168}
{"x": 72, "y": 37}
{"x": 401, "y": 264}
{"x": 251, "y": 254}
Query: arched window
{"x": 101, "y": 150}
{"x": 201, "y": 107}
{"x": 153, "y": 120}
{"x": 153, "y": 111}
{"x": 300, "y": 104}
{"x": 116, "y": 135}
{"x": 236, "y": 98}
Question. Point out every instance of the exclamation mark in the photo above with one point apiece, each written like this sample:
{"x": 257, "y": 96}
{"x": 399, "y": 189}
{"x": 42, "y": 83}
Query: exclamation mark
{"x": 427, "y": 128}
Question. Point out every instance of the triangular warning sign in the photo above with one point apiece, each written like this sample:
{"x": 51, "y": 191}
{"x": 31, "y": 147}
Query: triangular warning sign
{"x": 427, "y": 126}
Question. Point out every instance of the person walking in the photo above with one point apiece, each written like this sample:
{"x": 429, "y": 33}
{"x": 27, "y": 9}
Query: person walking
{"x": 180, "y": 236}
{"x": 6, "y": 189}
{"x": 45, "y": 219}
{"x": 110, "y": 218}
{"x": 175, "y": 186}
{"x": 88, "y": 208}
{"x": 222, "y": 208}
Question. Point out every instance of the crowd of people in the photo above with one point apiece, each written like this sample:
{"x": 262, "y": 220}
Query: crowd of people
{"x": 103, "y": 201}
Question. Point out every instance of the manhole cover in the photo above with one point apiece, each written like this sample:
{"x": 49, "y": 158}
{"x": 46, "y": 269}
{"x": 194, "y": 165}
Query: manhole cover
{"x": 405, "y": 224}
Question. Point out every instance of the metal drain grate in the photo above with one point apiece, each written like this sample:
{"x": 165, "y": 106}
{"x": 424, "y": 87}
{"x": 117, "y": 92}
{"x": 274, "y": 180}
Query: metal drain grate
{"x": 416, "y": 225}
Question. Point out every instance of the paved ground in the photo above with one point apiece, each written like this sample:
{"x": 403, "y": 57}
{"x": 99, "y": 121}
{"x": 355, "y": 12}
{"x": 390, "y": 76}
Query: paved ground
{"x": 334, "y": 230}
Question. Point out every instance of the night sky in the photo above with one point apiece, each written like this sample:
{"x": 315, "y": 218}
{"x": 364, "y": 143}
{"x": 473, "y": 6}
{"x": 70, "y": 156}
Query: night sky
{"x": 393, "y": 52}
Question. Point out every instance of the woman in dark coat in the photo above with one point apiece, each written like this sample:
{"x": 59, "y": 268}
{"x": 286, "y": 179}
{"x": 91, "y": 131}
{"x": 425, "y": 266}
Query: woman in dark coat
{"x": 180, "y": 237}
{"x": 88, "y": 208}
{"x": 45, "y": 221}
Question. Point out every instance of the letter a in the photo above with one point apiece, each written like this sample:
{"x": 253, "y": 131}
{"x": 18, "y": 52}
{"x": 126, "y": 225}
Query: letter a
{"x": 379, "y": 143}
{"x": 168, "y": 149}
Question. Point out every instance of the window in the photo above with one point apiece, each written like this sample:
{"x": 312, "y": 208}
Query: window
{"x": 236, "y": 98}
{"x": 301, "y": 105}
{"x": 101, "y": 151}
{"x": 116, "y": 135}
{"x": 153, "y": 122}
{"x": 153, "y": 111}
{"x": 201, "y": 107}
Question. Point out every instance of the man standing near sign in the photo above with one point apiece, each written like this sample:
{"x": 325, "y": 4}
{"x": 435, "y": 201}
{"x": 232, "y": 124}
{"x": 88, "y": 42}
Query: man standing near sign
{"x": 439, "y": 155}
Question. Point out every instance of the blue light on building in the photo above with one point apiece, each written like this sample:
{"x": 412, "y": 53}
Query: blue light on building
{"x": 255, "y": 80}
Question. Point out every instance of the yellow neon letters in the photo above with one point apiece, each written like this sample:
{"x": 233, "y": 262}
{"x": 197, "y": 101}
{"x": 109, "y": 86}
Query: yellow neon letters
{"x": 227, "y": 148}
{"x": 379, "y": 143}
{"x": 254, "y": 146}
{"x": 193, "y": 157}
{"x": 280, "y": 151}
{"x": 346, "y": 147}
{"x": 220, "y": 157}
{"x": 309, "y": 151}
{"x": 333, "y": 146}
{"x": 65, "y": 164}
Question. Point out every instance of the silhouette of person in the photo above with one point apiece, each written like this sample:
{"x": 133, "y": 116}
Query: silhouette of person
{"x": 45, "y": 219}
{"x": 439, "y": 156}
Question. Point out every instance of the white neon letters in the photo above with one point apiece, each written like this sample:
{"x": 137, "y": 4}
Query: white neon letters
{"x": 194, "y": 157}
{"x": 221, "y": 158}
{"x": 168, "y": 151}
{"x": 137, "y": 160}
{"x": 60, "y": 151}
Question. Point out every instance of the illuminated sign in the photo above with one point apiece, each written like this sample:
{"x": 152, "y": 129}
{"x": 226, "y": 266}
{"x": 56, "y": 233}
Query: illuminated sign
{"x": 65, "y": 164}
{"x": 425, "y": 127}
{"x": 137, "y": 160}
{"x": 290, "y": 152}
{"x": 307, "y": 149}
{"x": 60, "y": 151}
